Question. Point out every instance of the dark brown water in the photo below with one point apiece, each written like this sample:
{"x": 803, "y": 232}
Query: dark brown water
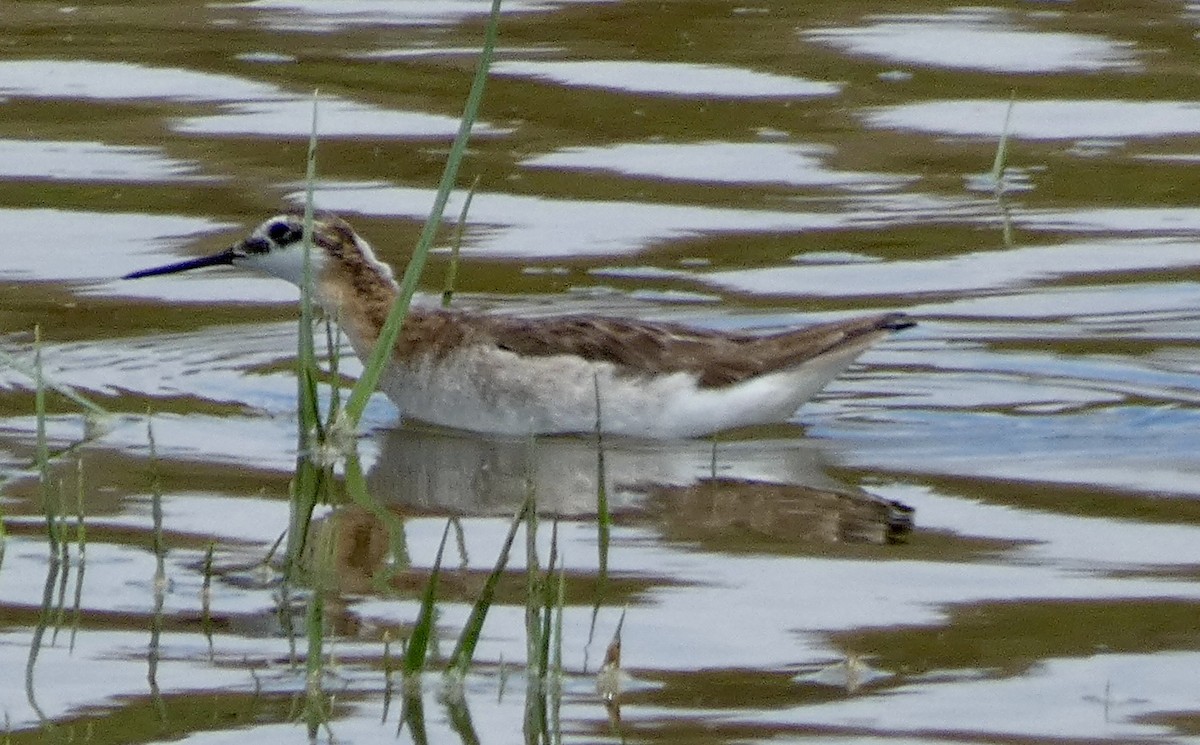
{"x": 729, "y": 165}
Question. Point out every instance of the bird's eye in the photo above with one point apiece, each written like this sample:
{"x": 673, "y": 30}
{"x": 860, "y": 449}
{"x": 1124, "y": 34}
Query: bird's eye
{"x": 281, "y": 232}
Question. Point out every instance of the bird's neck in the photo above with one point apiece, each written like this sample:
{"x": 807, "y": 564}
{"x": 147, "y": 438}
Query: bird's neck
{"x": 359, "y": 297}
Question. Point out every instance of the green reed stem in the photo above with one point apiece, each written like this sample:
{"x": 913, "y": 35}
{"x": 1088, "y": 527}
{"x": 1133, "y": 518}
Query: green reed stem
{"x": 533, "y": 583}
{"x": 81, "y": 564}
{"x": 160, "y": 576}
{"x": 62, "y": 389}
{"x": 64, "y": 557}
{"x": 460, "y": 720}
{"x": 1002, "y": 146}
{"x": 42, "y": 457}
{"x": 356, "y": 487}
{"x": 206, "y": 619}
{"x": 306, "y": 352}
{"x": 456, "y": 246}
{"x": 387, "y": 664}
{"x": 310, "y": 477}
{"x": 464, "y": 650}
{"x": 3, "y": 535}
{"x": 414, "y": 717}
{"x": 80, "y": 523}
{"x": 315, "y": 709}
{"x": 317, "y": 704}
{"x": 418, "y": 641}
{"x": 554, "y": 689}
{"x": 35, "y": 645}
{"x": 603, "y": 516}
{"x": 382, "y": 352}
{"x": 333, "y": 345}
{"x": 543, "y": 659}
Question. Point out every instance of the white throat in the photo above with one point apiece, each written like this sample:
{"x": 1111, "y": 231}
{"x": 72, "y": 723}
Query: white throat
{"x": 287, "y": 263}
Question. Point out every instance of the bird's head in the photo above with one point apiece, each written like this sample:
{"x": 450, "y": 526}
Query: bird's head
{"x": 275, "y": 248}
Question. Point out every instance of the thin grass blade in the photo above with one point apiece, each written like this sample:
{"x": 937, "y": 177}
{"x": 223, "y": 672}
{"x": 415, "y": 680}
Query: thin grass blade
{"x": 42, "y": 449}
{"x": 306, "y": 351}
{"x": 603, "y": 516}
{"x": 460, "y": 720}
{"x": 159, "y": 583}
{"x": 548, "y": 597}
{"x": 554, "y": 689}
{"x": 1002, "y": 146}
{"x": 382, "y": 352}
{"x": 456, "y": 246}
{"x": 413, "y": 714}
{"x": 418, "y": 641}
{"x": 309, "y": 479}
{"x": 356, "y": 487}
{"x": 314, "y": 695}
{"x": 91, "y": 407}
{"x": 464, "y": 650}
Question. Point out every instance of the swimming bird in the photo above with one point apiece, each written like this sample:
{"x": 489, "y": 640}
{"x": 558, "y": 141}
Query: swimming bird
{"x": 503, "y": 374}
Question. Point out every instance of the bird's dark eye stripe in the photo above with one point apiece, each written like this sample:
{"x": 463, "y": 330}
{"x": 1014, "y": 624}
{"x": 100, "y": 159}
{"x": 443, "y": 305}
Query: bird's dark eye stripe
{"x": 256, "y": 246}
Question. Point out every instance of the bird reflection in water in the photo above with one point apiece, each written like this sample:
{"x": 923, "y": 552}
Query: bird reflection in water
{"x": 744, "y": 495}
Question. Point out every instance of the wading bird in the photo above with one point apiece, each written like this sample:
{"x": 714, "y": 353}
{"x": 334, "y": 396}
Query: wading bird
{"x": 504, "y": 374}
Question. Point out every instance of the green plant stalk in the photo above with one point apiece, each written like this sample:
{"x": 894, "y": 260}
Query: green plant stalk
{"x": 534, "y": 721}
{"x": 81, "y": 540}
{"x": 64, "y": 557}
{"x": 206, "y": 620}
{"x": 1002, "y": 146}
{"x": 156, "y": 514}
{"x": 314, "y": 622}
{"x": 533, "y": 583}
{"x": 556, "y": 664}
{"x": 387, "y": 664}
{"x": 356, "y": 487}
{"x": 306, "y": 351}
{"x": 35, "y": 645}
{"x": 61, "y": 388}
{"x": 418, "y": 641}
{"x": 80, "y": 524}
{"x": 460, "y": 540}
{"x": 287, "y": 624}
{"x": 160, "y": 576}
{"x": 464, "y": 650}
{"x": 603, "y": 516}
{"x": 309, "y": 479}
{"x": 333, "y": 346}
{"x": 382, "y": 352}
{"x": 316, "y": 700}
{"x": 53, "y": 536}
{"x": 460, "y": 720}
{"x": 414, "y": 716}
{"x": 456, "y": 246}
{"x": 543, "y": 661}
{"x": 274, "y": 549}
{"x": 537, "y": 720}
{"x": 3, "y": 535}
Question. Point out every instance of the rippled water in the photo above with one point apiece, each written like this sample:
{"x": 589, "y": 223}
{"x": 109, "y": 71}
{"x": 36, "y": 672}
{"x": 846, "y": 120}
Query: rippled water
{"x": 729, "y": 165}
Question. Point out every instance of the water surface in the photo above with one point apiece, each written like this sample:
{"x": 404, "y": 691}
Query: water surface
{"x": 729, "y": 165}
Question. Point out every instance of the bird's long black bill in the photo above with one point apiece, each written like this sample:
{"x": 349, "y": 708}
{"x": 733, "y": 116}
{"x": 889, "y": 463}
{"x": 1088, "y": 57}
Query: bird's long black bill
{"x": 224, "y": 258}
